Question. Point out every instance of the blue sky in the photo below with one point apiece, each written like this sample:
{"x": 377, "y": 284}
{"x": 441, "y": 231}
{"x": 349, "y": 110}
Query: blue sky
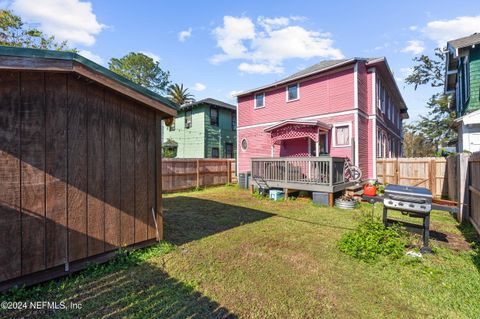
{"x": 219, "y": 47}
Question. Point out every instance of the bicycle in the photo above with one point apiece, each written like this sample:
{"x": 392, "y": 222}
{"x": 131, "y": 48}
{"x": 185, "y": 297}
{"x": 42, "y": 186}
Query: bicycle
{"x": 351, "y": 172}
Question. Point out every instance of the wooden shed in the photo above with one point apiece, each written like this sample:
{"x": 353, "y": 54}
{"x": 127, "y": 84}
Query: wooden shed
{"x": 80, "y": 164}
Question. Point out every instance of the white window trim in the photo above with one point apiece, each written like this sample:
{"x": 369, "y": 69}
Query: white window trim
{"x": 298, "y": 92}
{"x": 255, "y": 101}
{"x": 334, "y": 140}
{"x": 241, "y": 144}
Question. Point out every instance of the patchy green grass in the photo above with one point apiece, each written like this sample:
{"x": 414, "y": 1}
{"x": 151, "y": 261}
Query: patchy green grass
{"x": 237, "y": 255}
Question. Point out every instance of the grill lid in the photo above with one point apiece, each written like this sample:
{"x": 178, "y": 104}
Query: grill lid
{"x": 408, "y": 190}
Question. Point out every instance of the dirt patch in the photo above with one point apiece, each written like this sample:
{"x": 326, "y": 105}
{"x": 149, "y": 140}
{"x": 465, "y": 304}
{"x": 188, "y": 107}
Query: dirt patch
{"x": 452, "y": 241}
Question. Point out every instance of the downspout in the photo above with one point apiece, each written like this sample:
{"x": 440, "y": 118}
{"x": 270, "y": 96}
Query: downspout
{"x": 355, "y": 94}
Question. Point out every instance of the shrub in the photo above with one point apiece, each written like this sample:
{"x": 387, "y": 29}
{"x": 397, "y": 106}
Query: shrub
{"x": 372, "y": 239}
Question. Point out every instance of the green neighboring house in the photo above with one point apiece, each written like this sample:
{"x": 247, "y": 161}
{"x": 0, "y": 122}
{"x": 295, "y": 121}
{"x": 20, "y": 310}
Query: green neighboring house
{"x": 202, "y": 129}
{"x": 463, "y": 73}
{"x": 462, "y": 83}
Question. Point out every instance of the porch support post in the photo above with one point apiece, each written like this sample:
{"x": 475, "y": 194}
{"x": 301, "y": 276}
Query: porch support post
{"x": 272, "y": 150}
{"x": 317, "y": 148}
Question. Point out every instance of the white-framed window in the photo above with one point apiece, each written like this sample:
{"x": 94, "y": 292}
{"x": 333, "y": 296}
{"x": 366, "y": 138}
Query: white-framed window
{"x": 383, "y": 98}
{"x": 342, "y": 135}
{"x": 379, "y": 94}
{"x": 259, "y": 100}
{"x": 379, "y": 143}
{"x": 292, "y": 92}
{"x": 188, "y": 119}
{"x": 244, "y": 144}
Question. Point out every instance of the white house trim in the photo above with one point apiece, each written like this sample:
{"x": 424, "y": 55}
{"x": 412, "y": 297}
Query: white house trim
{"x": 255, "y": 101}
{"x": 374, "y": 123}
{"x": 298, "y": 92}
{"x": 334, "y": 127}
{"x": 355, "y": 96}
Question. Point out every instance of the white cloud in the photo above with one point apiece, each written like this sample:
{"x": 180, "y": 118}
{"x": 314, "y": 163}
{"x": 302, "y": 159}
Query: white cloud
{"x": 258, "y": 68}
{"x": 413, "y": 28}
{"x": 272, "y": 23}
{"x": 184, "y": 35}
{"x": 69, "y": 20}
{"x": 265, "y": 45}
{"x": 152, "y": 55}
{"x": 199, "y": 87}
{"x": 91, "y": 56}
{"x": 414, "y": 47}
{"x": 230, "y": 38}
{"x": 293, "y": 42}
{"x": 443, "y": 31}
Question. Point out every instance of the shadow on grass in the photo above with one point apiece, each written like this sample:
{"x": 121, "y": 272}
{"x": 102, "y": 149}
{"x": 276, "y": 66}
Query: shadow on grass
{"x": 472, "y": 237}
{"x": 188, "y": 218}
{"x": 120, "y": 289}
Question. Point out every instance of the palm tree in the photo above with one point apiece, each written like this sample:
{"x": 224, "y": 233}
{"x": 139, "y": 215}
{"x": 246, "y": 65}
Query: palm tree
{"x": 180, "y": 95}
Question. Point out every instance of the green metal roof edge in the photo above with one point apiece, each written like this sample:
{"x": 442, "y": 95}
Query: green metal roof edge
{"x": 72, "y": 56}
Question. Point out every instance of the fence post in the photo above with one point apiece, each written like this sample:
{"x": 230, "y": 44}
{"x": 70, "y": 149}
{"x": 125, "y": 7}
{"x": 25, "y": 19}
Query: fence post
{"x": 229, "y": 175}
{"x": 432, "y": 177}
{"x": 198, "y": 173}
{"x": 463, "y": 187}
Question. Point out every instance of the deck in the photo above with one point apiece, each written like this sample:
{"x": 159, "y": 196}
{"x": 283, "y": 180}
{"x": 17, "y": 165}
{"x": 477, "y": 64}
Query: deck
{"x": 319, "y": 174}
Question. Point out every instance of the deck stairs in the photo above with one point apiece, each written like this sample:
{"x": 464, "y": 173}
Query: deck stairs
{"x": 263, "y": 187}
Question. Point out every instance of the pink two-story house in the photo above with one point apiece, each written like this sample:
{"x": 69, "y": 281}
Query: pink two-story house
{"x": 343, "y": 108}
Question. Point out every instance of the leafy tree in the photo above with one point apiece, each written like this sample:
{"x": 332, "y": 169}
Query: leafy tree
{"x": 437, "y": 127}
{"x": 415, "y": 144}
{"x": 428, "y": 70}
{"x": 180, "y": 95}
{"x": 16, "y": 33}
{"x": 142, "y": 70}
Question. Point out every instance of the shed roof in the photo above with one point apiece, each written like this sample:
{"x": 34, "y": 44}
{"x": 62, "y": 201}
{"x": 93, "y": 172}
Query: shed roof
{"x": 48, "y": 60}
{"x": 211, "y": 102}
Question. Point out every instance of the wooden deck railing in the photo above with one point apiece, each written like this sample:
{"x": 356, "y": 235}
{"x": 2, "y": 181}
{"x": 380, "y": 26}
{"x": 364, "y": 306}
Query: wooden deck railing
{"x": 322, "y": 170}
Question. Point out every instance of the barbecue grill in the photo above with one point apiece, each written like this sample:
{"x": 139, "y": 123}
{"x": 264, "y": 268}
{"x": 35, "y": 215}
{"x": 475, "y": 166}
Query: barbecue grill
{"x": 408, "y": 198}
{"x": 412, "y": 201}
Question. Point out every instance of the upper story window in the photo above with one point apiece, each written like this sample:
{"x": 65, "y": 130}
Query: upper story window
{"x": 293, "y": 92}
{"x": 214, "y": 115}
{"x": 259, "y": 100}
{"x": 234, "y": 120}
{"x": 188, "y": 119}
{"x": 341, "y": 135}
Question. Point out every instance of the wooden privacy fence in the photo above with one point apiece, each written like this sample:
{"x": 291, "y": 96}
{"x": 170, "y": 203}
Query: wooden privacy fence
{"x": 187, "y": 173}
{"x": 435, "y": 173}
{"x": 474, "y": 190}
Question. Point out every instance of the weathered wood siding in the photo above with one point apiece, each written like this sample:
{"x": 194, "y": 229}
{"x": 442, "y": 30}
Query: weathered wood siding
{"x": 77, "y": 171}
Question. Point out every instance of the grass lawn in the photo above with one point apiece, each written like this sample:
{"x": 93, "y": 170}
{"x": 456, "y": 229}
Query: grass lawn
{"x": 230, "y": 254}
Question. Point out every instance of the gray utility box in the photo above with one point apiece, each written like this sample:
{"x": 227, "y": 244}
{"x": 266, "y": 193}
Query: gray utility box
{"x": 320, "y": 198}
{"x": 244, "y": 180}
